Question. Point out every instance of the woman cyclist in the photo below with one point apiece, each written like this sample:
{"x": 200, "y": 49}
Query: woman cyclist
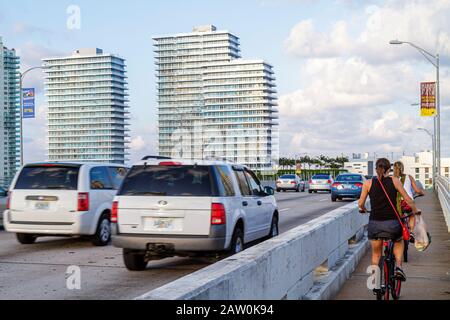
{"x": 383, "y": 221}
{"x": 410, "y": 186}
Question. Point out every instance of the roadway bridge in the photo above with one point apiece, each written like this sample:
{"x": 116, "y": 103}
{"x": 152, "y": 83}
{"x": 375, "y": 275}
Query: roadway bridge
{"x": 321, "y": 253}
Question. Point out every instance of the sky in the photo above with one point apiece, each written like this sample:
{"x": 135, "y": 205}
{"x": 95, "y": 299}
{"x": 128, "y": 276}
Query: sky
{"x": 342, "y": 88}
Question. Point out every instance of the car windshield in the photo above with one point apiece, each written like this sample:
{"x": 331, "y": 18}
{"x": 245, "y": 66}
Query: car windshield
{"x": 48, "y": 177}
{"x": 287, "y": 176}
{"x": 321, "y": 177}
{"x": 349, "y": 178}
{"x": 193, "y": 181}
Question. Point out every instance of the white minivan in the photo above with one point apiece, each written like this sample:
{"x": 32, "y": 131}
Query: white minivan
{"x": 185, "y": 207}
{"x": 63, "y": 199}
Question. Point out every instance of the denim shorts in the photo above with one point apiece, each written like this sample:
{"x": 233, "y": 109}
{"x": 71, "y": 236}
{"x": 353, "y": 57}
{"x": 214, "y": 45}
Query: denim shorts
{"x": 380, "y": 229}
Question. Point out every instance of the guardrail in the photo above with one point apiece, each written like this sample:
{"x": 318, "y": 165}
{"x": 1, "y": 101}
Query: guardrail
{"x": 443, "y": 191}
{"x": 311, "y": 261}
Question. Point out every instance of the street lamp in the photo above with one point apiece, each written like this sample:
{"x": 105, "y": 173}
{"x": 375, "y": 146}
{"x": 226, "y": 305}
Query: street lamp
{"x": 434, "y": 60}
{"x": 22, "y": 76}
{"x": 433, "y": 142}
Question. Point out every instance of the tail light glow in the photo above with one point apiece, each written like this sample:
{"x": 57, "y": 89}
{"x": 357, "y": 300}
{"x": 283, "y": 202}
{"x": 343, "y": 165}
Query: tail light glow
{"x": 335, "y": 185}
{"x": 83, "y": 201}
{"x": 218, "y": 214}
{"x": 114, "y": 211}
{"x": 359, "y": 185}
{"x": 170, "y": 163}
{"x": 8, "y": 200}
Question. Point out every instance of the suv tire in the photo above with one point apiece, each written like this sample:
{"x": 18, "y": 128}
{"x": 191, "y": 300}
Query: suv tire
{"x": 134, "y": 261}
{"x": 102, "y": 235}
{"x": 25, "y": 238}
{"x": 237, "y": 241}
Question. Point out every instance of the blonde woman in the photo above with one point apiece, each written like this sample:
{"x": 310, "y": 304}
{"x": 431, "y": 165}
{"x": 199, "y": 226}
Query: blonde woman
{"x": 410, "y": 186}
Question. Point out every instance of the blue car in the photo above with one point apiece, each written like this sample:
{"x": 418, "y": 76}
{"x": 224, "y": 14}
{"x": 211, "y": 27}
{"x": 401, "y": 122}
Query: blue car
{"x": 347, "y": 185}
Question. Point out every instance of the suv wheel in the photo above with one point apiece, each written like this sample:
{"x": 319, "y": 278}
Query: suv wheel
{"x": 134, "y": 260}
{"x": 102, "y": 235}
{"x": 274, "y": 231}
{"x": 25, "y": 238}
{"x": 237, "y": 241}
{"x": 298, "y": 189}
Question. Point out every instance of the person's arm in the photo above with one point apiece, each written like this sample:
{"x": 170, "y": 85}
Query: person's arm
{"x": 415, "y": 187}
{"x": 398, "y": 185}
{"x": 364, "y": 194}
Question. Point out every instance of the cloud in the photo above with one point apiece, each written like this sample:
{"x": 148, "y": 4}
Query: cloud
{"x": 356, "y": 89}
{"x": 422, "y": 22}
{"x": 143, "y": 142}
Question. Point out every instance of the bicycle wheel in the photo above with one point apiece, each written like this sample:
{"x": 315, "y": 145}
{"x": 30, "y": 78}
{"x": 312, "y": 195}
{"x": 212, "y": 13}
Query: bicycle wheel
{"x": 396, "y": 284}
{"x": 383, "y": 293}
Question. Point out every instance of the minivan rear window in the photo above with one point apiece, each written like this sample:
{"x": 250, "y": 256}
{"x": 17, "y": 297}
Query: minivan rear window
{"x": 185, "y": 181}
{"x": 48, "y": 177}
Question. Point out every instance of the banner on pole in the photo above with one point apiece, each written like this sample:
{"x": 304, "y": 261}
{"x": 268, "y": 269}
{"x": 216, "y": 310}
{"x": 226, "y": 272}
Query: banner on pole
{"x": 28, "y": 103}
{"x": 428, "y": 99}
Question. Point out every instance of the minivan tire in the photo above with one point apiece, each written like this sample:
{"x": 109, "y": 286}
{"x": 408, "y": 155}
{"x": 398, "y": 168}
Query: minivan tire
{"x": 25, "y": 238}
{"x": 273, "y": 227}
{"x": 102, "y": 235}
{"x": 134, "y": 261}
{"x": 237, "y": 241}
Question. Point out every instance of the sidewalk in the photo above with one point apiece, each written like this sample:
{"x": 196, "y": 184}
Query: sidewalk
{"x": 428, "y": 272}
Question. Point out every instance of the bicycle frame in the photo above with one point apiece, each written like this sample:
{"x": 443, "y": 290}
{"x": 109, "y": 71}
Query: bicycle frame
{"x": 389, "y": 283}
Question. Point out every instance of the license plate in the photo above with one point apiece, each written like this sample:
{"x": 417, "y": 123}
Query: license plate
{"x": 163, "y": 223}
{"x": 41, "y": 205}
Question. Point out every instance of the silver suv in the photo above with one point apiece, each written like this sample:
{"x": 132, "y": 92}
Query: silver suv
{"x": 186, "y": 207}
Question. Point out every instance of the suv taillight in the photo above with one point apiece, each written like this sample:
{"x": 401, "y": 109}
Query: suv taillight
{"x": 83, "y": 201}
{"x": 114, "y": 211}
{"x": 310, "y": 181}
{"x": 8, "y": 200}
{"x": 218, "y": 214}
{"x": 329, "y": 181}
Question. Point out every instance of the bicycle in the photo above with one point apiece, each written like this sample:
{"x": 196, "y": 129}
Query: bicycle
{"x": 389, "y": 283}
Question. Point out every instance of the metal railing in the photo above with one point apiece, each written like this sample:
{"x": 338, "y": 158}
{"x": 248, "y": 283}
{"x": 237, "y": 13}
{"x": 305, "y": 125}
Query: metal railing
{"x": 443, "y": 192}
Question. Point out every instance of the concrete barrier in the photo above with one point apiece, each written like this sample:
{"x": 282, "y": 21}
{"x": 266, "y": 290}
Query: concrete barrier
{"x": 443, "y": 191}
{"x": 309, "y": 262}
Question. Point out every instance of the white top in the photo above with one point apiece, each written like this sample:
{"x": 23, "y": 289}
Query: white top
{"x": 408, "y": 186}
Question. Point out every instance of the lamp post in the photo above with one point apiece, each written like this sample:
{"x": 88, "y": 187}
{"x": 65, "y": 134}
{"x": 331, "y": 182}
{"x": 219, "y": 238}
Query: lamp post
{"x": 434, "y": 60}
{"x": 22, "y": 76}
{"x": 434, "y": 156}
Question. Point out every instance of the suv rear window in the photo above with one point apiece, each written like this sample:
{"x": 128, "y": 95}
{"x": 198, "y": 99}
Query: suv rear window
{"x": 48, "y": 177}
{"x": 321, "y": 176}
{"x": 288, "y": 176}
{"x": 183, "y": 181}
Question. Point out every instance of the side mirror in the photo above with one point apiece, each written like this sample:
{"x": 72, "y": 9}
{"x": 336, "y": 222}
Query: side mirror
{"x": 269, "y": 191}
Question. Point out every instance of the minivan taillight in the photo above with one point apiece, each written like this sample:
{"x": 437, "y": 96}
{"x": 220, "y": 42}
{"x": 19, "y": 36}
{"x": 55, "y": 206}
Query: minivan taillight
{"x": 8, "y": 200}
{"x": 218, "y": 214}
{"x": 83, "y": 201}
{"x": 114, "y": 211}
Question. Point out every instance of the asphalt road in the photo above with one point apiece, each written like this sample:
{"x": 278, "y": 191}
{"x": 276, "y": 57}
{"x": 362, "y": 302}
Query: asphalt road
{"x": 38, "y": 271}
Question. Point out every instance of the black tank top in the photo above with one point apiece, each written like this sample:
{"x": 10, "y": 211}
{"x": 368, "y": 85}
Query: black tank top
{"x": 379, "y": 204}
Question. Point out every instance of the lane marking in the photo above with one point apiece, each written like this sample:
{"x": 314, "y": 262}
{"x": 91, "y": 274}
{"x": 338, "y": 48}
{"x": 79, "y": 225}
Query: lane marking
{"x": 285, "y": 209}
{"x": 323, "y": 200}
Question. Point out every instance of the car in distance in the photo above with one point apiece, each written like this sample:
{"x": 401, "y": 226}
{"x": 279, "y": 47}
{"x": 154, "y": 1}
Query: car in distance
{"x": 63, "y": 199}
{"x": 3, "y": 198}
{"x": 189, "y": 208}
{"x": 347, "y": 185}
{"x": 320, "y": 182}
{"x": 290, "y": 182}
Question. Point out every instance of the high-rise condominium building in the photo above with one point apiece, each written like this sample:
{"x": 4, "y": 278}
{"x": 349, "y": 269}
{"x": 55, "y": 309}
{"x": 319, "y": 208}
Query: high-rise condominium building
{"x": 87, "y": 107}
{"x": 212, "y": 103}
{"x": 9, "y": 114}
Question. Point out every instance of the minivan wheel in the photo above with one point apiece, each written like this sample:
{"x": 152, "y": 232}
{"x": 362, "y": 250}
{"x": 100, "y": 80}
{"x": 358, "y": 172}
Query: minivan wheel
{"x": 102, "y": 235}
{"x": 274, "y": 231}
{"x": 237, "y": 241}
{"x": 25, "y": 238}
{"x": 133, "y": 260}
